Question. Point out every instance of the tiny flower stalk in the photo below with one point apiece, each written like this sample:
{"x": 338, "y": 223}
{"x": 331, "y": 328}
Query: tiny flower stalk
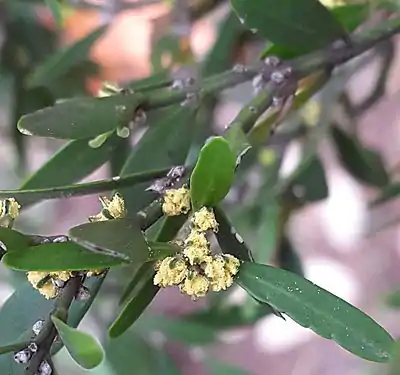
{"x": 195, "y": 270}
{"x": 9, "y": 211}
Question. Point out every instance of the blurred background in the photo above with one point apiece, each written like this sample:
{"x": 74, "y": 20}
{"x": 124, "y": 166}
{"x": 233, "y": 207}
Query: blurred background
{"x": 345, "y": 246}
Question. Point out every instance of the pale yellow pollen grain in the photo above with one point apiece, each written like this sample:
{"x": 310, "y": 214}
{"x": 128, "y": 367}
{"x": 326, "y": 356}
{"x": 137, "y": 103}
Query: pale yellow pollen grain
{"x": 204, "y": 220}
{"x": 61, "y": 275}
{"x": 176, "y": 201}
{"x": 195, "y": 286}
{"x": 13, "y": 209}
{"x": 195, "y": 254}
{"x": 215, "y": 268}
{"x": 232, "y": 264}
{"x": 171, "y": 271}
{"x": 48, "y": 290}
{"x": 196, "y": 238}
{"x": 222, "y": 283}
{"x": 116, "y": 207}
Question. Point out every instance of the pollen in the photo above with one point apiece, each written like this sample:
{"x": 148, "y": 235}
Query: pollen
{"x": 48, "y": 289}
{"x": 113, "y": 208}
{"x": 176, "y": 201}
{"x": 232, "y": 264}
{"x": 195, "y": 286}
{"x": 9, "y": 207}
{"x": 61, "y": 275}
{"x": 204, "y": 219}
{"x": 170, "y": 271}
{"x": 196, "y": 238}
{"x": 196, "y": 254}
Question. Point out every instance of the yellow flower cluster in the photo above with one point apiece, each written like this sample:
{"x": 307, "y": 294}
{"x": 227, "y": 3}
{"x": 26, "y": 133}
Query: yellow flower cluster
{"x": 112, "y": 209}
{"x": 196, "y": 271}
{"x": 9, "y": 210}
{"x": 176, "y": 201}
{"x": 47, "y": 282}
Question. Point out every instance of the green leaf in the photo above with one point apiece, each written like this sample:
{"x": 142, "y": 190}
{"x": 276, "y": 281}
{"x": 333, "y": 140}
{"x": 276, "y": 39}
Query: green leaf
{"x": 222, "y": 54}
{"x": 219, "y": 368}
{"x": 120, "y": 238}
{"x": 388, "y": 192}
{"x": 86, "y": 160}
{"x": 308, "y": 183}
{"x": 302, "y": 25}
{"x": 315, "y": 308}
{"x": 287, "y": 257}
{"x": 237, "y": 139}
{"x": 80, "y": 118}
{"x": 145, "y": 359}
{"x": 63, "y": 61}
{"x": 17, "y": 316}
{"x": 64, "y": 256}
{"x": 133, "y": 308}
{"x": 349, "y": 15}
{"x": 229, "y": 240}
{"x": 156, "y": 81}
{"x": 138, "y": 281}
{"x": 55, "y": 8}
{"x": 173, "y": 136}
{"x": 362, "y": 163}
{"x": 177, "y": 330}
{"x": 213, "y": 174}
{"x": 82, "y": 347}
{"x": 30, "y": 196}
{"x": 161, "y": 250}
{"x": 13, "y": 239}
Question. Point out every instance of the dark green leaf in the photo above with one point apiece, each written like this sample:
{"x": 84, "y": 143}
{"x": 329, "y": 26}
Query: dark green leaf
{"x": 13, "y": 239}
{"x": 82, "y": 347}
{"x": 120, "y": 238}
{"x": 138, "y": 281}
{"x": 213, "y": 174}
{"x": 388, "y": 192}
{"x": 172, "y": 135}
{"x": 161, "y": 250}
{"x": 30, "y": 196}
{"x": 287, "y": 257}
{"x": 55, "y": 8}
{"x": 86, "y": 160}
{"x": 133, "y": 308}
{"x": 80, "y": 118}
{"x": 303, "y": 25}
{"x": 62, "y": 61}
{"x": 146, "y": 360}
{"x": 315, "y": 308}
{"x": 219, "y": 368}
{"x": 237, "y": 139}
{"x": 17, "y": 316}
{"x": 229, "y": 240}
{"x": 308, "y": 183}
{"x": 364, "y": 164}
{"x": 349, "y": 15}
{"x": 222, "y": 54}
{"x": 65, "y": 256}
{"x": 177, "y": 330}
{"x": 228, "y": 317}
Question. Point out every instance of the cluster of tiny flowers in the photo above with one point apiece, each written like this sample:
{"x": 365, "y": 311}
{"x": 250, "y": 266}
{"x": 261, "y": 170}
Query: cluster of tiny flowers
{"x": 50, "y": 284}
{"x": 176, "y": 201}
{"x": 113, "y": 208}
{"x": 9, "y": 211}
{"x": 196, "y": 270}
